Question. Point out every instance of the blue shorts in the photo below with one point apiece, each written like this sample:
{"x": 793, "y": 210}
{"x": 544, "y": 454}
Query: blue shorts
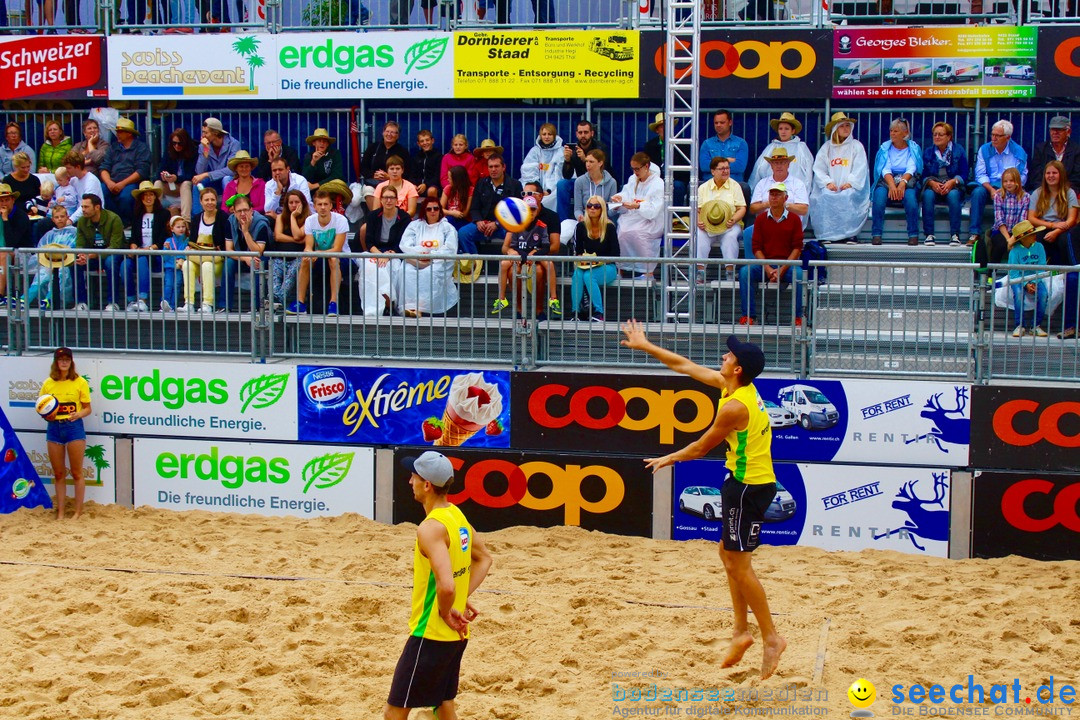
{"x": 63, "y": 432}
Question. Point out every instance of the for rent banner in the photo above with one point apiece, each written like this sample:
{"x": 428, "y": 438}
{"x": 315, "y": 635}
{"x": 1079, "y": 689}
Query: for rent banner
{"x": 1026, "y": 428}
{"x": 502, "y": 489}
{"x": 1036, "y": 515}
{"x": 52, "y": 66}
{"x": 934, "y": 62}
{"x": 757, "y": 63}
{"x": 550, "y": 64}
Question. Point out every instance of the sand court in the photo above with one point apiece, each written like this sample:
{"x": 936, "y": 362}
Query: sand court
{"x": 569, "y": 618}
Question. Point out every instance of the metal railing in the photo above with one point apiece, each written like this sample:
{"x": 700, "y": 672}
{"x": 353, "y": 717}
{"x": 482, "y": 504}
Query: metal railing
{"x": 917, "y": 320}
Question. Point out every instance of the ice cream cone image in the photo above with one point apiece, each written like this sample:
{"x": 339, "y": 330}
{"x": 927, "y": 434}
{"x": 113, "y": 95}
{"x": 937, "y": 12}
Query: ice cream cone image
{"x": 470, "y": 406}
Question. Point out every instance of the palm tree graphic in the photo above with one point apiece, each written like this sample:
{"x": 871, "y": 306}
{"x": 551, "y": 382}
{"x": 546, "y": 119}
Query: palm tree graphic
{"x": 248, "y": 48}
{"x": 96, "y": 455}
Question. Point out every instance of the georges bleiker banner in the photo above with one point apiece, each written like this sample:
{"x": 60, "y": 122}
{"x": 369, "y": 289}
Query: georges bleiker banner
{"x": 1025, "y": 428}
{"x": 54, "y": 66}
{"x": 499, "y": 489}
{"x": 749, "y": 64}
{"x": 1033, "y": 515}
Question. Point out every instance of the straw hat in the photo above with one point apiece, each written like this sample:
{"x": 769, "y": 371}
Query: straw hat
{"x": 779, "y": 153}
{"x": 127, "y": 125}
{"x": 242, "y": 157}
{"x": 715, "y": 214}
{"x": 488, "y": 144}
{"x": 338, "y": 187}
{"x": 144, "y": 187}
{"x": 836, "y": 119}
{"x": 789, "y": 119}
{"x": 56, "y": 259}
{"x": 468, "y": 271}
{"x": 215, "y": 125}
{"x": 320, "y": 134}
{"x": 658, "y": 123}
{"x": 6, "y": 191}
{"x": 1024, "y": 228}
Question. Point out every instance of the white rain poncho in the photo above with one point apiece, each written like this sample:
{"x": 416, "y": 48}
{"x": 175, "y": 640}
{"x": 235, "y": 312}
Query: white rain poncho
{"x": 641, "y": 230}
{"x": 801, "y": 167}
{"x": 839, "y": 215}
{"x": 429, "y": 289}
{"x": 544, "y": 165}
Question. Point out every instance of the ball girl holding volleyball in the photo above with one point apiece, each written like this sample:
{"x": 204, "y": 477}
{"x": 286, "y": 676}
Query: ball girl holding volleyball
{"x": 65, "y": 435}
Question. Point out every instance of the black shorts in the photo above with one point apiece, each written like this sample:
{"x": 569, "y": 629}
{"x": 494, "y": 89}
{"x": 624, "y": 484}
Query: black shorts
{"x": 744, "y": 512}
{"x": 427, "y": 673}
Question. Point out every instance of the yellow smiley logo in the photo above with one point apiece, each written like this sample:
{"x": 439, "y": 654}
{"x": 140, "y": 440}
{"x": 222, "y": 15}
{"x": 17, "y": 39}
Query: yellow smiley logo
{"x": 862, "y": 693}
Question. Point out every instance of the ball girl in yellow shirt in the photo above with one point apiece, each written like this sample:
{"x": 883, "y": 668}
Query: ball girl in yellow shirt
{"x": 65, "y": 434}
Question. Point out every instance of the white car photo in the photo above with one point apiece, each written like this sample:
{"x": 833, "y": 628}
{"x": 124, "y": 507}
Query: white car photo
{"x": 778, "y": 416}
{"x": 701, "y": 500}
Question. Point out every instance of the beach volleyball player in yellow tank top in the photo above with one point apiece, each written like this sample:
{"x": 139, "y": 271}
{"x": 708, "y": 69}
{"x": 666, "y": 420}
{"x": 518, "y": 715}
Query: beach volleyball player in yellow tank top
{"x": 449, "y": 563}
{"x": 741, "y": 420}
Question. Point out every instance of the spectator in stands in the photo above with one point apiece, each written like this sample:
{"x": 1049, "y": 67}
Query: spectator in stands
{"x": 177, "y": 169}
{"x": 400, "y": 10}
{"x": 427, "y": 286}
{"x": 381, "y": 235}
{"x": 13, "y": 144}
{"x": 251, "y": 232}
{"x": 654, "y": 148}
{"x": 1026, "y": 251}
{"x": 39, "y": 210}
{"x": 66, "y": 194}
{"x": 288, "y": 238}
{"x": 945, "y": 168}
{"x": 98, "y": 228}
{"x": 82, "y": 180}
{"x": 483, "y": 152}
{"x": 574, "y": 155}
{"x": 16, "y": 231}
{"x": 211, "y": 232}
{"x": 596, "y": 180}
{"x": 126, "y": 164}
{"x": 56, "y": 146}
{"x": 323, "y": 232}
{"x": 456, "y": 198}
{"x": 1071, "y": 294}
{"x": 22, "y": 180}
{"x": 489, "y": 191}
{"x": 149, "y": 231}
{"x": 244, "y": 183}
{"x": 459, "y": 155}
{"x": 41, "y": 292}
{"x": 841, "y": 194}
{"x": 216, "y": 148}
{"x": 897, "y": 168}
{"x": 373, "y": 165}
{"x": 323, "y": 163}
{"x": 1054, "y": 206}
{"x": 92, "y": 147}
{"x": 721, "y": 208}
{"x": 1011, "y": 205}
{"x": 990, "y": 161}
{"x": 787, "y": 130}
{"x": 797, "y": 195}
{"x": 725, "y": 144}
{"x": 778, "y": 235}
{"x": 595, "y": 237}
{"x": 283, "y": 181}
{"x": 425, "y": 166}
{"x": 172, "y": 266}
{"x": 1059, "y": 147}
{"x": 273, "y": 148}
{"x": 543, "y": 164}
{"x": 539, "y": 239}
{"x": 406, "y": 192}
{"x": 640, "y": 206}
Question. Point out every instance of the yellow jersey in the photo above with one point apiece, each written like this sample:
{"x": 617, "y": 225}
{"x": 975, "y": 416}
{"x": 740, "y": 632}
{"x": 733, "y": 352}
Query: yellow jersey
{"x": 749, "y": 455}
{"x": 71, "y": 394}
{"x": 425, "y": 621}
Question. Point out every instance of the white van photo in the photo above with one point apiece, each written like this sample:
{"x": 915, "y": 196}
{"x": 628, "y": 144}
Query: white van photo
{"x": 861, "y": 72}
{"x": 810, "y": 406}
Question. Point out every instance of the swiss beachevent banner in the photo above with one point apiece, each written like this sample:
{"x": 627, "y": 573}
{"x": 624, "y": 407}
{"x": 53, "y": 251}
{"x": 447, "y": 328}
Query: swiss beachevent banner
{"x": 403, "y": 406}
{"x": 934, "y": 62}
{"x": 833, "y": 507}
{"x": 141, "y": 396}
{"x": 52, "y": 66}
{"x": 99, "y": 465}
{"x": 254, "y": 478}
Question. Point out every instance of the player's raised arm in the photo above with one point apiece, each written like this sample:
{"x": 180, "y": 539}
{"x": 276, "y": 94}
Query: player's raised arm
{"x": 636, "y": 340}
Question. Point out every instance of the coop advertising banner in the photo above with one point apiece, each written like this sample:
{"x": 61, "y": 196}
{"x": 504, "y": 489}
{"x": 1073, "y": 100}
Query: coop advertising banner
{"x": 1058, "y": 67}
{"x": 549, "y": 64}
{"x": 760, "y": 63}
{"x": 833, "y": 507}
{"x": 403, "y": 406}
{"x": 52, "y": 66}
{"x": 1026, "y": 428}
{"x": 254, "y": 478}
{"x": 499, "y": 489}
{"x": 867, "y": 421}
{"x": 934, "y": 62}
{"x": 1036, "y": 515}
{"x": 99, "y": 465}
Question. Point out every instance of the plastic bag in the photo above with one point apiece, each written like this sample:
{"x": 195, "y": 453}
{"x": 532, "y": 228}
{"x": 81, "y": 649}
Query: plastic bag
{"x": 106, "y": 119}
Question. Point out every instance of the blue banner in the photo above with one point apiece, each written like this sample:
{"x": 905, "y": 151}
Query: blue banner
{"x": 403, "y": 406}
{"x": 20, "y": 486}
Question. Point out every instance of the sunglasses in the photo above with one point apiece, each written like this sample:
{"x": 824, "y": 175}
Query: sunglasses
{"x": 527, "y": 193}
{"x": 593, "y": 206}
{"x": 433, "y": 208}
{"x": 178, "y": 143}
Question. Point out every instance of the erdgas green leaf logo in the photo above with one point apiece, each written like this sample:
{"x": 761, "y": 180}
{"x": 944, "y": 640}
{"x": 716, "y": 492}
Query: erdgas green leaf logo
{"x": 263, "y": 391}
{"x": 425, "y": 54}
{"x": 327, "y": 470}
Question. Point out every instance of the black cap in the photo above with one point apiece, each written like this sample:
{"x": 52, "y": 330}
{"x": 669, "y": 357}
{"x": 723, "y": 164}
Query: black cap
{"x": 749, "y": 355}
{"x": 62, "y": 352}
